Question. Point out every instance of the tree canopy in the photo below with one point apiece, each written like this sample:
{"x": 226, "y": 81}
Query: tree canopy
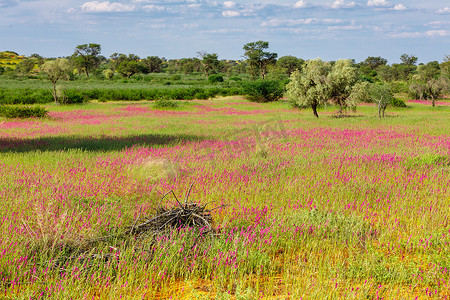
{"x": 87, "y": 57}
{"x": 309, "y": 87}
{"x": 125, "y": 65}
{"x": 56, "y": 70}
{"x": 210, "y": 62}
{"x": 259, "y": 59}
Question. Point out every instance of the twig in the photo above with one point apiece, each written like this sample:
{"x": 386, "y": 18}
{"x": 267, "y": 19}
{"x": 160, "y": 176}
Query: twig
{"x": 187, "y": 194}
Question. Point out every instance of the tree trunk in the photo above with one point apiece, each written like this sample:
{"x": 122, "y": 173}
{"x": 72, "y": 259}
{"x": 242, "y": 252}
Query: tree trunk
{"x": 55, "y": 96}
{"x": 341, "y": 107}
{"x": 379, "y": 110}
{"x": 314, "y": 108}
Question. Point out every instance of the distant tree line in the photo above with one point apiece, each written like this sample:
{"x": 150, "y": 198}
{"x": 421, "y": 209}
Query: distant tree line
{"x": 311, "y": 82}
{"x": 258, "y": 62}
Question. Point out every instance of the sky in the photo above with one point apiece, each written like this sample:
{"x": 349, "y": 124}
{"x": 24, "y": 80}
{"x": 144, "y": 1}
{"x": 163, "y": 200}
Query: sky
{"x": 331, "y": 30}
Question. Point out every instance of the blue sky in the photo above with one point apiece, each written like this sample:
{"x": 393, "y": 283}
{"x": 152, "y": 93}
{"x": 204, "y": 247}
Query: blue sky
{"x": 179, "y": 28}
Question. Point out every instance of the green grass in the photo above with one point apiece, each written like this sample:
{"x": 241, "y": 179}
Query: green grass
{"x": 324, "y": 208}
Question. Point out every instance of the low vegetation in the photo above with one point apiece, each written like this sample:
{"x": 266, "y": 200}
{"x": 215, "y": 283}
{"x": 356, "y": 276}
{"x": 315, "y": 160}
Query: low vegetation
{"x": 136, "y": 194}
{"x": 279, "y": 205}
{"x": 9, "y": 111}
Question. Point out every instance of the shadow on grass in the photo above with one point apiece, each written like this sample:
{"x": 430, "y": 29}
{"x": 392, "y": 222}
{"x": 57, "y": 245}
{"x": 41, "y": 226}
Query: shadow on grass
{"x": 101, "y": 143}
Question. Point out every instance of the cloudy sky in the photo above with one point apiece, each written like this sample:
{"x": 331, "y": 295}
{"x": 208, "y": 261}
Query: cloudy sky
{"x": 180, "y": 28}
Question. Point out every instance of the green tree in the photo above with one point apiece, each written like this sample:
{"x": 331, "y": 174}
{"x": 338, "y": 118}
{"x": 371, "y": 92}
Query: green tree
{"x": 290, "y": 63}
{"x": 86, "y": 57}
{"x": 408, "y": 60}
{"x": 25, "y": 66}
{"x": 386, "y": 73}
{"x": 341, "y": 80}
{"x": 259, "y": 59}
{"x": 380, "y": 94}
{"x": 403, "y": 71}
{"x": 189, "y": 65}
{"x": 428, "y": 83}
{"x": 374, "y": 62}
{"x": 152, "y": 64}
{"x": 210, "y": 62}
{"x": 125, "y": 65}
{"x": 263, "y": 90}
{"x": 56, "y": 70}
{"x": 309, "y": 87}
{"x": 445, "y": 66}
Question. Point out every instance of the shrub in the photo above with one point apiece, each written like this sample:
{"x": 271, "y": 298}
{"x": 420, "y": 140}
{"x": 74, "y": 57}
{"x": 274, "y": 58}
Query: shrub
{"x": 201, "y": 96}
{"x": 22, "y": 111}
{"x": 73, "y": 97}
{"x": 165, "y": 103}
{"x": 397, "y": 102}
{"x": 236, "y": 78}
{"x": 215, "y": 78}
{"x": 175, "y": 77}
{"x": 31, "y": 96}
{"x": 24, "y": 96}
{"x": 263, "y": 90}
{"x": 108, "y": 73}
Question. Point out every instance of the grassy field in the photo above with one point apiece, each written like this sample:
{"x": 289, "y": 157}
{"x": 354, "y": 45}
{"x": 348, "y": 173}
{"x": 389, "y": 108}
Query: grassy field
{"x": 303, "y": 208}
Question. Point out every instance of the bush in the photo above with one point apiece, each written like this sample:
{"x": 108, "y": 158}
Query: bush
{"x": 22, "y": 111}
{"x": 236, "y": 78}
{"x": 73, "y": 97}
{"x": 25, "y": 96}
{"x": 263, "y": 90}
{"x": 165, "y": 103}
{"x": 215, "y": 78}
{"x": 201, "y": 96}
{"x": 397, "y": 102}
{"x": 175, "y": 77}
{"x": 31, "y": 96}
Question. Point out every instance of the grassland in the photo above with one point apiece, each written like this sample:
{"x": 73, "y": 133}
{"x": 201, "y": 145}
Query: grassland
{"x": 10, "y": 59}
{"x": 328, "y": 208}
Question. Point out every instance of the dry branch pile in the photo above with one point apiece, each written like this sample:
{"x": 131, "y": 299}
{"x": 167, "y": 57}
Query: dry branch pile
{"x": 184, "y": 215}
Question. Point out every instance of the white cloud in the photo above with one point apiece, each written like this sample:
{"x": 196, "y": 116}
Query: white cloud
{"x": 348, "y": 27}
{"x": 152, "y": 7}
{"x": 294, "y": 22}
{"x": 231, "y": 13}
{"x": 378, "y": 3}
{"x": 406, "y": 35}
{"x": 430, "y": 33}
{"x": 96, "y": 6}
{"x": 444, "y": 11}
{"x": 229, "y": 4}
{"x": 438, "y": 23}
{"x": 342, "y": 4}
{"x": 399, "y": 7}
{"x": 300, "y": 4}
{"x": 437, "y": 33}
{"x": 225, "y": 30}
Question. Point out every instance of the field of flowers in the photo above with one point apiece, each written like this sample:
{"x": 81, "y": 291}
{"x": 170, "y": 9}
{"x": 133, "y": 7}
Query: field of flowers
{"x": 303, "y": 208}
